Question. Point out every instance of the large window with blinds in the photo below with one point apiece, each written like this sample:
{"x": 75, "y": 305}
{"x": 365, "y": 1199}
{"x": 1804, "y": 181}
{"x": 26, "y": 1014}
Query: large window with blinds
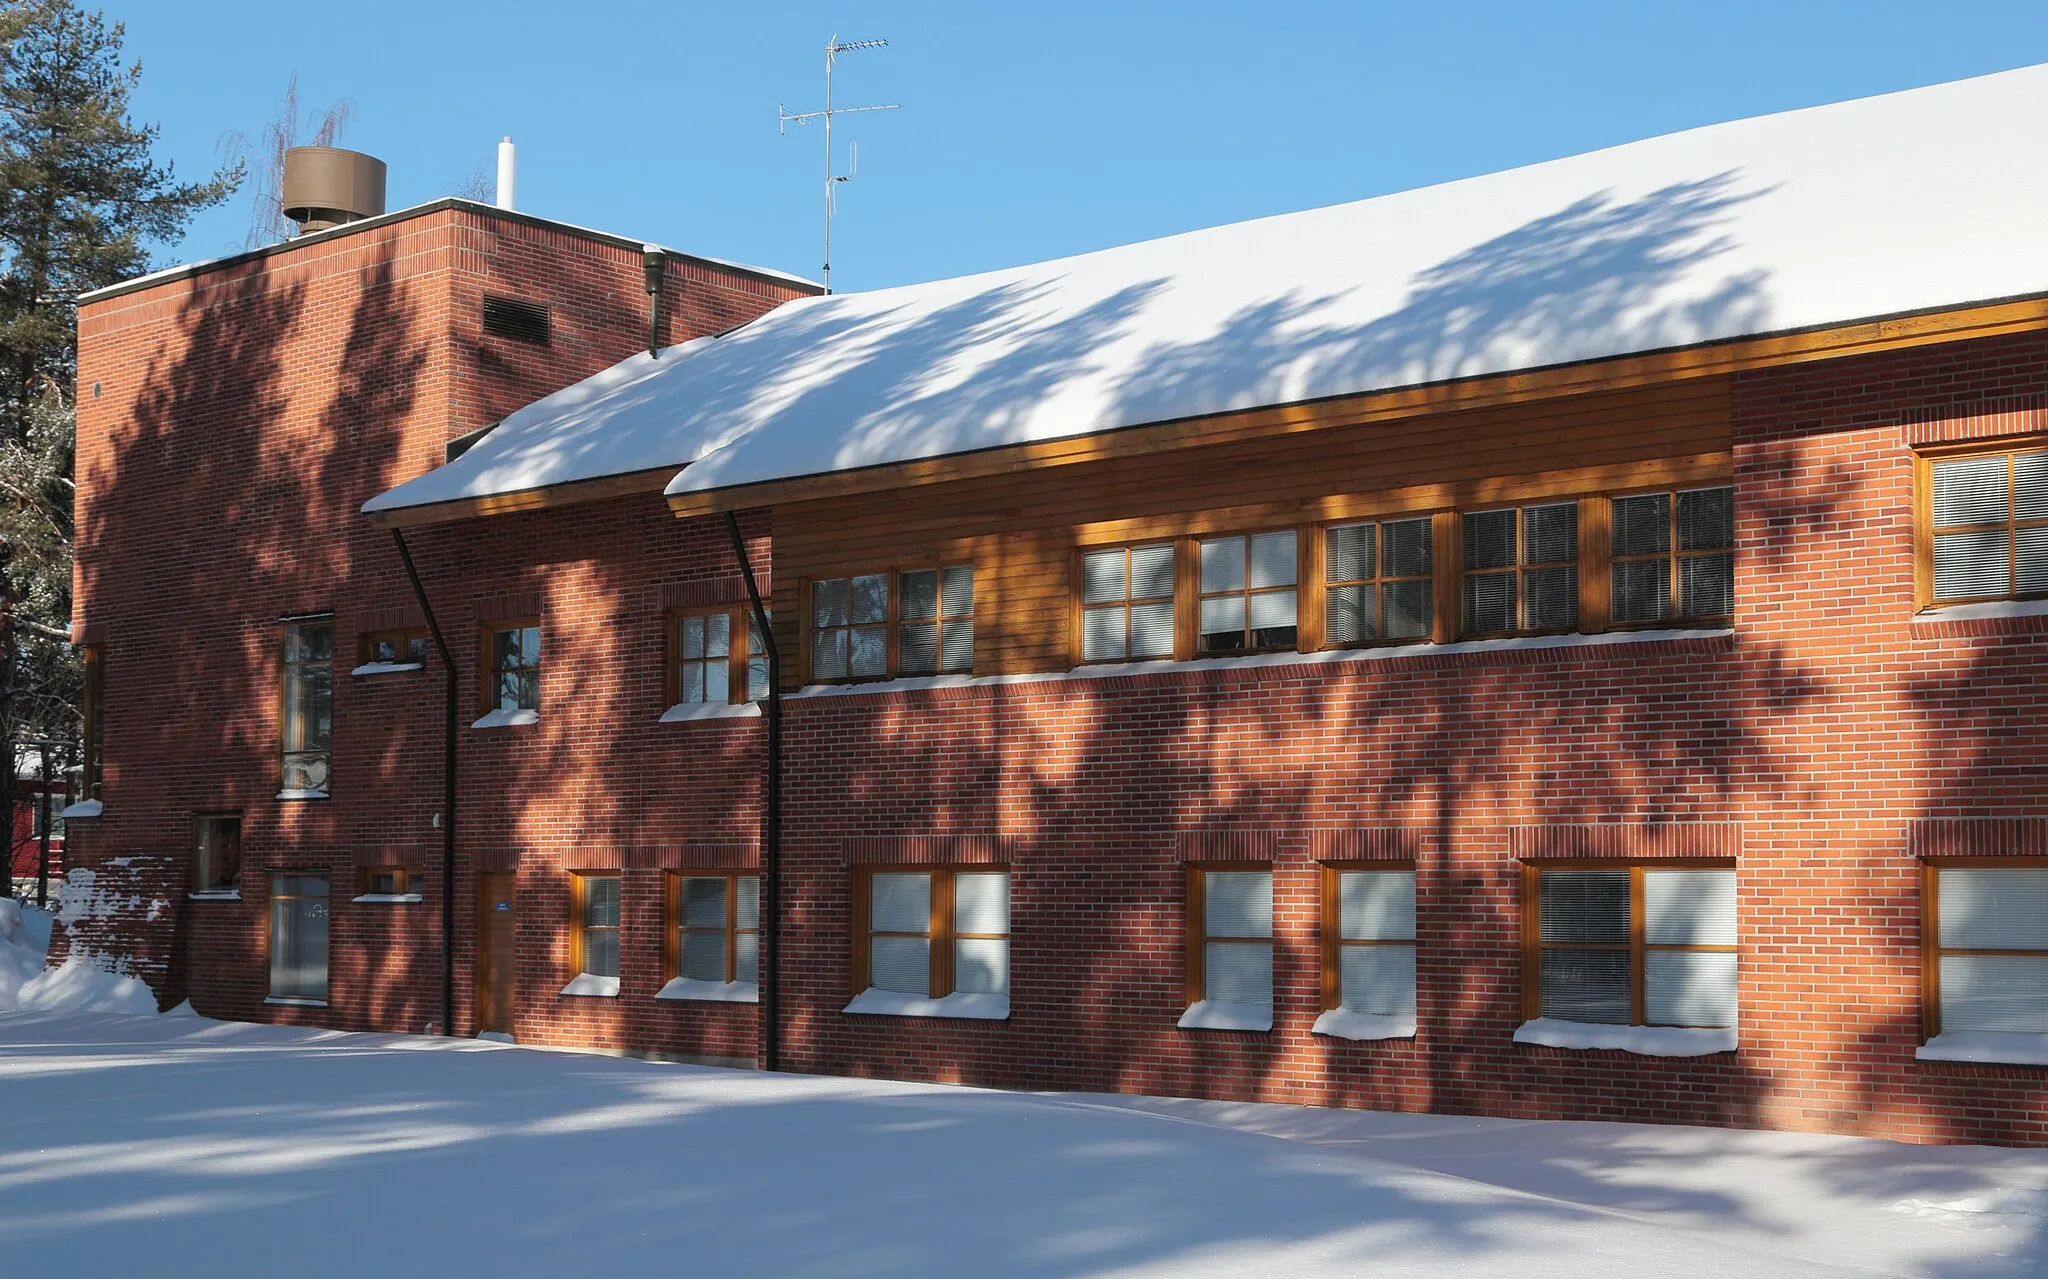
{"x": 1521, "y": 570}
{"x": 1230, "y": 940}
{"x": 717, "y": 928}
{"x": 1368, "y": 934}
{"x": 298, "y": 939}
{"x": 1378, "y": 584}
{"x": 1248, "y": 600}
{"x": 1986, "y": 947}
{"x": 1673, "y": 556}
{"x": 1630, "y": 945}
{"x": 933, "y": 932}
{"x": 1985, "y": 529}
{"x": 1127, "y": 602}
{"x": 878, "y": 625}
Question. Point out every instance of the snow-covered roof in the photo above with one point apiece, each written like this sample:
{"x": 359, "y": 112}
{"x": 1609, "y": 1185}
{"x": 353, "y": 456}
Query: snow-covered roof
{"x": 1919, "y": 200}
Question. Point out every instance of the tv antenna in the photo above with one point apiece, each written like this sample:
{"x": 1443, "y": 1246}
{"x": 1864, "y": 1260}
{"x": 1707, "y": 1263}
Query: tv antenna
{"x": 833, "y": 48}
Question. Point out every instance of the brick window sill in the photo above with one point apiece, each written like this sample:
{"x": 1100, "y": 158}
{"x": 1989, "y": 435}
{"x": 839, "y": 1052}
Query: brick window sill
{"x": 386, "y": 668}
{"x": 1215, "y": 1014}
{"x": 507, "y": 719}
{"x": 1986, "y": 1047}
{"x": 688, "y": 990}
{"x": 593, "y": 987}
{"x": 1345, "y": 1023}
{"x": 231, "y": 896}
{"x": 388, "y": 899}
{"x": 1647, "y": 1041}
{"x": 303, "y": 794}
{"x": 291, "y": 1001}
{"x": 695, "y": 712}
{"x": 1989, "y": 617}
{"x": 889, "y": 1003}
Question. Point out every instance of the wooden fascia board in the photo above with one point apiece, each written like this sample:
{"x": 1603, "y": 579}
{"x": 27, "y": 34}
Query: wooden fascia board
{"x": 536, "y": 499}
{"x": 1624, "y": 372}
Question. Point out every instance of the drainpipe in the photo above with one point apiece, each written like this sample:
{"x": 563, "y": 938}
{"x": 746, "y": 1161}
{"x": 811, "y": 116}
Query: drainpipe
{"x": 654, "y": 260}
{"x": 447, "y": 792}
{"x": 771, "y": 821}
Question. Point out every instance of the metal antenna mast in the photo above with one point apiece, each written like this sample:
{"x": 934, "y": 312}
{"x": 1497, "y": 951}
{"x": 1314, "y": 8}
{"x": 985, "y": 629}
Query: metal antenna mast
{"x": 833, "y": 48}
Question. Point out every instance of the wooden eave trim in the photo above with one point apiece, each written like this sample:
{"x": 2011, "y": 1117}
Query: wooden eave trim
{"x": 1717, "y": 359}
{"x": 534, "y": 499}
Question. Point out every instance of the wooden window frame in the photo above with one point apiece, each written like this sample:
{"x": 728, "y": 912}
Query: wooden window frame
{"x": 579, "y": 887}
{"x": 1330, "y": 924}
{"x": 408, "y": 883}
{"x": 1580, "y": 566}
{"x": 401, "y": 639}
{"x": 1931, "y": 949}
{"x": 1636, "y": 947}
{"x": 1315, "y": 627}
{"x": 940, "y": 926}
{"x": 892, "y": 621}
{"x": 95, "y": 682}
{"x": 1596, "y": 549}
{"x": 286, "y": 666}
{"x": 672, "y": 949}
{"x": 1189, "y": 553}
{"x": 200, "y": 822}
{"x": 1923, "y": 518}
{"x": 938, "y": 621}
{"x": 487, "y": 672}
{"x": 1195, "y": 925}
{"x": 1078, "y": 605}
{"x": 738, "y": 650}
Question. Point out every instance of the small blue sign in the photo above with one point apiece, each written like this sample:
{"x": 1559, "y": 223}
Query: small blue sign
{"x": 504, "y": 905}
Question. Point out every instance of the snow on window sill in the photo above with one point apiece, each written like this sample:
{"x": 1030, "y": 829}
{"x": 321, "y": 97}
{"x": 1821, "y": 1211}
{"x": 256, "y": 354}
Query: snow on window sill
{"x": 1981, "y": 612}
{"x": 302, "y": 794}
{"x": 1649, "y": 1041}
{"x": 392, "y": 899}
{"x": 496, "y": 1037}
{"x": 2001, "y": 1048}
{"x": 1346, "y": 1023}
{"x": 387, "y": 668}
{"x": 889, "y": 1003}
{"x": 83, "y": 808}
{"x": 1215, "y": 1014}
{"x": 292, "y": 1001}
{"x": 690, "y": 712}
{"x": 217, "y": 895}
{"x": 1334, "y": 657}
{"x": 593, "y": 985}
{"x": 711, "y": 992}
{"x": 502, "y": 718}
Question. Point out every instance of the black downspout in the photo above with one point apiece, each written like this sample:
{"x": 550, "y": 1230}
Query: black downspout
{"x": 447, "y": 793}
{"x": 771, "y": 821}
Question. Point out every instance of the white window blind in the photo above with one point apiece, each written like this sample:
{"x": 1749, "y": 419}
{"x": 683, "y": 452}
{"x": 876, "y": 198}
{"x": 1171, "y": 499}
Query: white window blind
{"x": 1672, "y": 555}
{"x": 1237, "y": 953}
{"x": 936, "y": 612}
{"x": 1248, "y": 592}
{"x": 1990, "y": 526}
{"x": 1376, "y": 941}
{"x": 1992, "y": 944}
{"x": 1377, "y": 582}
{"x": 1687, "y": 953}
{"x": 899, "y": 923}
{"x": 298, "y": 937}
{"x": 703, "y": 906}
{"x": 601, "y": 925}
{"x": 981, "y": 932}
{"x": 1127, "y": 602}
{"x": 747, "y": 918}
{"x": 1521, "y": 569}
{"x": 1692, "y": 909}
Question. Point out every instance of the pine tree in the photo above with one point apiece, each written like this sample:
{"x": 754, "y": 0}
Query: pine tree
{"x": 82, "y": 199}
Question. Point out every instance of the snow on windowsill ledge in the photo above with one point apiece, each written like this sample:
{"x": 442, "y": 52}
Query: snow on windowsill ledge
{"x": 1981, "y": 612}
{"x": 303, "y": 794}
{"x": 889, "y": 1003}
{"x": 1346, "y": 1023}
{"x": 387, "y": 668}
{"x": 711, "y": 992}
{"x": 502, "y": 718}
{"x": 690, "y": 712}
{"x": 83, "y": 808}
{"x": 226, "y": 895}
{"x": 392, "y": 899}
{"x": 288, "y": 1001}
{"x": 588, "y": 984}
{"x": 1649, "y": 1041}
{"x": 1215, "y": 1014}
{"x": 1998, "y": 1048}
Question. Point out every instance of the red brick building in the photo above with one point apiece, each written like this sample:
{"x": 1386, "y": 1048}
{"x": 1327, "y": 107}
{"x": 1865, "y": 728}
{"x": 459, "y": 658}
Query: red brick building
{"x": 1563, "y": 644}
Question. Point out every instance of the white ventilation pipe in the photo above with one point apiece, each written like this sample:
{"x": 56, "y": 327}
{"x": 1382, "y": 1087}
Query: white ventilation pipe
{"x": 508, "y": 173}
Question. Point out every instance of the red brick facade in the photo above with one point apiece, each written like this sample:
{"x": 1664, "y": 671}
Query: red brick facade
{"x": 1828, "y": 745}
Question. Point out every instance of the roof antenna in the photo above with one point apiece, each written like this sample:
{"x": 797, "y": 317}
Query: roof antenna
{"x": 833, "y": 48}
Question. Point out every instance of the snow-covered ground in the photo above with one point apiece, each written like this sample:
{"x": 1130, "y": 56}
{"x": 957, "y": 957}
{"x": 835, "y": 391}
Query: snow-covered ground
{"x": 176, "y": 1145}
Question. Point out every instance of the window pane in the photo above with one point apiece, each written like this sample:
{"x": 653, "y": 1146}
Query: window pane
{"x": 1551, "y": 598}
{"x": 956, "y": 590}
{"x": 1642, "y": 590}
{"x": 306, "y": 771}
{"x": 1237, "y": 903}
{"x": 1102, "y": 576}
{"x": 1550, "y": 534}
{"x": 1236, "y": 972}
{"x": 717, "y": 681}
{"x": 693, "y": 681}
{"x": 298, "y": 937}
{"x": 1376, "y": 905}
{"x": 1378, "y": 979}
{"x": 1407, "y": 551}
{"x": 703, "y": 901}
{"x": 1272, "y": 619}
{"x": 1222, "y": 564}
{"x": 1689, "y": 988}
{"x": 601, "y": 952}
{"x": 2033, "y": 559}
{"x": 1642, "y": 524}
{"x": 1489, "y": 603}
{"x": 1223, "y": 624}
{"x": 601, "y": 901}
{"x": 956, "y": 645}
{"x": 504, "y": 650}
{"x": 529, "y": 646}
{"x": 870, "y": 598}
{"x": 1706, "y": 585}
{"x": 981, "y": 902}
{"x": 746, "y": 957}
{"x": 1976, "y": 563}
{"x": 1350, "y": 615}
{"x": 1586, "y": 985}
{"x": 528, "y": 694}
{"x": 1689, "y": 907}
{"x": 1970, "y": 490}
{"x": 919, "y": 644}
{"x": 1152, "y": 571}
{"x": 750, "y": 901}
{"x": 1994, "y": 907}
{"x": 2000, "y": 993}
{"x": 900, "y": 902}
{"x": 1706, "y": 519}
{"x": 867, "y": 652}
{"x": 828, "y": 655}
{"x": 1152, "y": 630}
{"x": 693, "y": 637}
{"x": 2030, "y": 485}
{"x": 704, "y": 956}
{"x": 1348, "y": 553}
{"x": 718, "y": 635}
{"x": 920, "y": 595}
{"x": 828, "y": 602}
{"x": 901, "y": 964}
{"x": 757, "y": 678}
{"x": 1489, "y": 539}
{"x": 1585, "y": 905}
{"x": 981, "y": 966}
{"x": 1102, "y": 633}
{"x": 1273, "y": 558}
{"x": 1410, "y": 611}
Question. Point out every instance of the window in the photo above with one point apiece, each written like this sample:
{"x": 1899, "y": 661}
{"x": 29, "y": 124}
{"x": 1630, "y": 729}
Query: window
{"x": 1230, "y": 932}
{"x": 1988, "y": 526}
{"x": 391, "y": 648}
{"x": 718, "y": 927}
{"x": 1127, "y": 603}
{"x": 1377, "y": 582}
{"x": 710, "y": 666}
{"x": 1248, "y": 597}
{"x": 1521, "y": 570}
{"x": 1988, "y": 957}
{"x": 391, "y": 881}
{"x": 217, "y": 853}
{"x": 95, "y": 707}
{"x": 934, "y": 933}
{"x": 1632, "y": 945}
{"x": 298, "y": 939}
{"x": 1368, "y": 933}
{"x": 933, "y": 612}
{"x": 1673, "y": 556}
{"x": 308, "y": 707}
{"x": 513, "y": 673}
{"x": 596, "y": 931}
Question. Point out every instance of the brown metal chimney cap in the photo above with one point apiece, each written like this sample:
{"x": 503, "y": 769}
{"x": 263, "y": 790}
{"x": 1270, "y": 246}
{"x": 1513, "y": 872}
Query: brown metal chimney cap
{"x": 327, "y": 186}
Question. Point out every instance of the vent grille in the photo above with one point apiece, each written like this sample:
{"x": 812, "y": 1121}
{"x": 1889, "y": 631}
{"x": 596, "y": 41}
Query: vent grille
{"x": 520, "y": 321}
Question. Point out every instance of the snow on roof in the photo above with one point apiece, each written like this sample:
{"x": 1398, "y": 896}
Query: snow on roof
{"x": 1911, "y": 201}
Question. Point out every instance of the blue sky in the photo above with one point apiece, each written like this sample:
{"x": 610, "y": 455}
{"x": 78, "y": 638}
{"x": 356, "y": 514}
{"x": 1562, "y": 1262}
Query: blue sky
{"x": 1028, "y": 131}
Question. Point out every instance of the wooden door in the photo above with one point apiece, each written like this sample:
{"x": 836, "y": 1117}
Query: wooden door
{"x": 497, "y": 969}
